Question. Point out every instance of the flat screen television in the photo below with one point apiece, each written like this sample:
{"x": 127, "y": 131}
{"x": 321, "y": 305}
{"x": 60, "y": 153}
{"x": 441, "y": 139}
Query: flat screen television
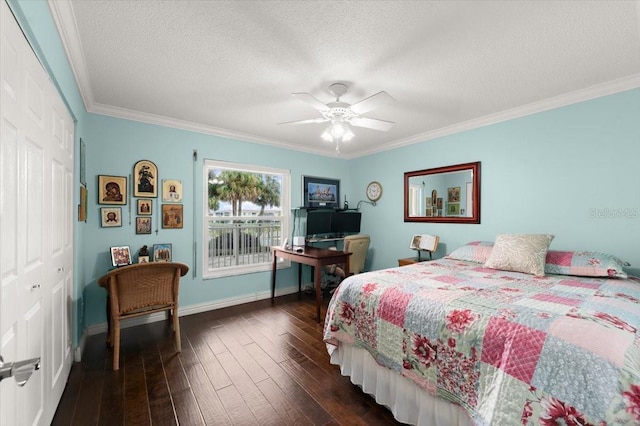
{"x": 345, "y": 222}
{"x": 320, "y": 192}
{"x": 319, "y": 222}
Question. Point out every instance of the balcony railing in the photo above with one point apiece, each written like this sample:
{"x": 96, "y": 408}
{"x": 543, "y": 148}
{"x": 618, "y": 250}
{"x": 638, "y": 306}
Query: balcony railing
{"x": 242, "y": 243}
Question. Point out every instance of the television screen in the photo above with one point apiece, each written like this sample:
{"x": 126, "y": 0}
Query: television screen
{"x": 345, "y": 222}
{"x": 320, "y": 192}
{"x": 319, "y": 222}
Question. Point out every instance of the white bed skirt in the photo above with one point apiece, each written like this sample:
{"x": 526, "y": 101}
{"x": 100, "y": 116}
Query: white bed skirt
{"x": 406, "y": 400}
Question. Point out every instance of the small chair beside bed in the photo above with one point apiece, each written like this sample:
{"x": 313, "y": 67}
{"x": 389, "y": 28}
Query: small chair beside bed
{"x": 500, "y": 333}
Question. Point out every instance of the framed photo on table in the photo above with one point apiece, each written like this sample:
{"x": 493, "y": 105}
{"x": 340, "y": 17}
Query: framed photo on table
{"x": 162, "y": 253}
{"x": 120, "y": 256}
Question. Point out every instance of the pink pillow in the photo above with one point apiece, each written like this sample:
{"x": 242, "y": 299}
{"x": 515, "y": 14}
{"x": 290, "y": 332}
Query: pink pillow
{"x": 584, "y": 264}
{"x": 475, "y": 251}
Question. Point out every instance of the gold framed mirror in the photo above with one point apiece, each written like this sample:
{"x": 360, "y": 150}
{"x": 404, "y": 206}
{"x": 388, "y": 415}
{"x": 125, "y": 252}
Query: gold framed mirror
{"x": 449, "y": 194}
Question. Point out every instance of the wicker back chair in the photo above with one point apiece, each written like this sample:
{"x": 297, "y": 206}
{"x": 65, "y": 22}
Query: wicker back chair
{"x": 141, "y": 289}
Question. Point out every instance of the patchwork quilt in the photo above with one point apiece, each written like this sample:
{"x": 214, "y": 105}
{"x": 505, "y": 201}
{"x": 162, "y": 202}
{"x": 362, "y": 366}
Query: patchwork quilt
{"x": 510, "y": 348}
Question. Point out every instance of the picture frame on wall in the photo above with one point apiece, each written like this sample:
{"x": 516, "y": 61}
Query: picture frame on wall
{"x": 453, "y": 195}
{"x": 112, "y": 189}
{"x": 171, "y": 191}
{"x": 83, "y": 163}
{"x": 143, "y": 225}
{"x": 172, "y": 216}
{"x": 453, "y": 209}
{"x": 145, "y": 206}
{"x": 162, "y": 253}
{"x": 82, "y": 208}
{"x": 120, "y": 256}
{"x": 320, "y": 192}
{"x": 110, "y": 217}
{"x": 145, "y": 177}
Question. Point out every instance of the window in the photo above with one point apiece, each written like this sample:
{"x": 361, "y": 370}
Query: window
{"x": 247, "y": 210}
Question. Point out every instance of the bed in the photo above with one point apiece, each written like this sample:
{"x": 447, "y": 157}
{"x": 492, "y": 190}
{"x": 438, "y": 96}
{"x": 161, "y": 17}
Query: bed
{"x": 453, "y": 342}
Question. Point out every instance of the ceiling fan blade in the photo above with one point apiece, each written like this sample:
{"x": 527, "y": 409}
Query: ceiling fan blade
{"x": 310, "y": 100}
{"x": 309, "y": 121}
{"x": 371, "y": 103}
{"x": 372, "y": 123}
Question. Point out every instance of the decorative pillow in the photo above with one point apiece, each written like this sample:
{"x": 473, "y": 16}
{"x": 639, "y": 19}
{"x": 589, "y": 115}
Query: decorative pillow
{"x": 520, "y": 252}
{"x": 475, "y": 251}
{"x": 584, "y": 264}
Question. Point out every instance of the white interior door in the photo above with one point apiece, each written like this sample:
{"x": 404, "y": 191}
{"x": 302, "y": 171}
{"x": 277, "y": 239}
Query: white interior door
{"x": 36, "y": 250}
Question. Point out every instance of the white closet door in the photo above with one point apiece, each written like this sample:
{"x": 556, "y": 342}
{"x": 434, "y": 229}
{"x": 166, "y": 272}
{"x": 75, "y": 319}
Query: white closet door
{"x": 36, "y": 236}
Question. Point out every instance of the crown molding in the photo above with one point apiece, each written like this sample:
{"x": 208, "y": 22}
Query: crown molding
{"x": 128, "y": 114}
{"x": 64, "y": 19}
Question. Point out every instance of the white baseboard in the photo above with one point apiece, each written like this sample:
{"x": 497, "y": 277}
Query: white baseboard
{"x": 77, "y": 353}
{"x": 184, "y": 311}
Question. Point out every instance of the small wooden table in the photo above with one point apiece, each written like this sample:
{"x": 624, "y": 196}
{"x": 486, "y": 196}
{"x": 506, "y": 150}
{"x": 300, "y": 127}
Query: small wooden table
{"x": 410, "y": 261}
{"x": 313, "y": 256}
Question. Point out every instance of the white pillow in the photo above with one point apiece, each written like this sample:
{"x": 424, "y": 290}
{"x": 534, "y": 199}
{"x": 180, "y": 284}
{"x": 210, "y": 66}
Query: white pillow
{"x": 520, "y": 252}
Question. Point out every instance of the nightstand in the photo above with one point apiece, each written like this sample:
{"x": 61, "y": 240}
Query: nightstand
{"x": 411, "y": 261}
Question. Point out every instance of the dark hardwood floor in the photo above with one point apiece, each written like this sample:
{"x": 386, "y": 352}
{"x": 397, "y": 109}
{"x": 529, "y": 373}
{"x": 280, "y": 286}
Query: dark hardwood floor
{"x": 254, "y": 364}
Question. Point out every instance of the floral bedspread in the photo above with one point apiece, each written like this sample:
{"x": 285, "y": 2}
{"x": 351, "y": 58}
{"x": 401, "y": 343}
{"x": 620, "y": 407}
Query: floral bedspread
{"x": 509, "y": 348}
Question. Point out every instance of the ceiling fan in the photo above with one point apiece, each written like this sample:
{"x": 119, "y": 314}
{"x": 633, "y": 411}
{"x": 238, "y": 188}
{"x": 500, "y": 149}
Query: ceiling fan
{"x": 342, "y": 115}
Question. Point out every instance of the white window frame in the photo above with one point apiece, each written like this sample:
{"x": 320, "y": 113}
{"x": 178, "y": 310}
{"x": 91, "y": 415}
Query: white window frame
{"x": 285, "y": 218}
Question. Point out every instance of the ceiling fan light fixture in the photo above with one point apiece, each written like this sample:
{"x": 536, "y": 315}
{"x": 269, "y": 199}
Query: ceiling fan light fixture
{"x": 338, "y": 128}
{"x": 343, "y": 115}
{"x": 348, "y": 134}
{"x": 338, "y": 131}
{"x": 326, "y": 135}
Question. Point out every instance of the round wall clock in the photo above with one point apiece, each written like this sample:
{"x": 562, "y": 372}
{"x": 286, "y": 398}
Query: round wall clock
{"x": 374, "y": 191}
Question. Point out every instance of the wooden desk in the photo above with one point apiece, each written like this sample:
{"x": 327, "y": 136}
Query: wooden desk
{"x": 313, "y": 256}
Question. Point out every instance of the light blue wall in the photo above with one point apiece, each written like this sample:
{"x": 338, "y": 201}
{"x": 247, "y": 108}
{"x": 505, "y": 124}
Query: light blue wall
{"x": 115, "y": 145}
{"x": 552, "y": 172}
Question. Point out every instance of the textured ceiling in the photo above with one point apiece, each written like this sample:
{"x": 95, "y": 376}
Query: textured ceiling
{"x": 229, "y": 67}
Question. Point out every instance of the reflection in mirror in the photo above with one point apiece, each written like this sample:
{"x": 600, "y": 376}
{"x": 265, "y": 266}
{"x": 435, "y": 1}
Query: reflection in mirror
{"x": 445, "y": 194}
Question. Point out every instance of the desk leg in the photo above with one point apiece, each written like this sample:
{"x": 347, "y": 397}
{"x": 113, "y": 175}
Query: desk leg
{"x": 273, "y": 276}
{"x": 299, "y": 279}
{"x": 318, "y": 285}
{"x": 347, "y": 270}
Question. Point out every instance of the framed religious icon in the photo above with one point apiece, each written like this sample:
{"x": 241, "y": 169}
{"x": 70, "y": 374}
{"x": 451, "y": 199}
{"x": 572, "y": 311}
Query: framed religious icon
{"x": 172, "y": 216}
{"x": 145, "y": 177}
{"x": 171, "y": 191}
{"x": 143, "y": 225}
{"x": 112, "y": 189}
{"x": 453, "y": 195}
{"x": 111, "y": 217}
{"x": 145, "y": 207}
{"x": 82, "y": 208}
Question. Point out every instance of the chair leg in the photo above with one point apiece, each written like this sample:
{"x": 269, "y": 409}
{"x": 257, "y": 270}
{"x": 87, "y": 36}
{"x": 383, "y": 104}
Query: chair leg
{"x": 110, "y": 332}
{"x": 116, "y": 345}
{"x": 176, "y": 329}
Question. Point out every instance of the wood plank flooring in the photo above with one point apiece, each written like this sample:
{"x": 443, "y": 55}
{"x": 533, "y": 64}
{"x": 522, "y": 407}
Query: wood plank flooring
{"x": 261, "y": 363}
